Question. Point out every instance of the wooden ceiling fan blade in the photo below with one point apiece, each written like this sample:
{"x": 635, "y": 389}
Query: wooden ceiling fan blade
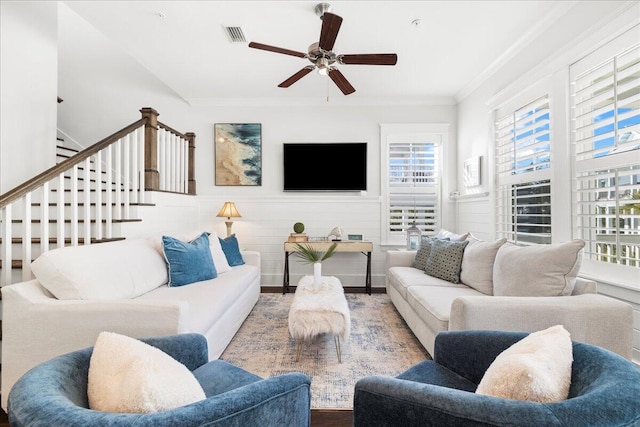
{"x": 277, "y": 49}
{"x": 329, "y": 32}
{"x": 297, "y": 76}
{"x": 369, "y": 59}
{"x": 340, "y": 81}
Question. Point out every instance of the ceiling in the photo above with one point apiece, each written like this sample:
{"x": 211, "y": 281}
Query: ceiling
{"x": 455, "y": 46}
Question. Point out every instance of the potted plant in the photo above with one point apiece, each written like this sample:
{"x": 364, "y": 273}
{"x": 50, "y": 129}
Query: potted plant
{"x": 315, "y": 257}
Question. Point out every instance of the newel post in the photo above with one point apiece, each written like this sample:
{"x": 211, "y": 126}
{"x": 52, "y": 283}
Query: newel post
{"x": 191, "y": 137}
{"x": 151, "y": 174}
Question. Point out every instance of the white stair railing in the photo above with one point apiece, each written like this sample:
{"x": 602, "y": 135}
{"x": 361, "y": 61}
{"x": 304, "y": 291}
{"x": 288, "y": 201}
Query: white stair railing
{"x": 77, "y": 200}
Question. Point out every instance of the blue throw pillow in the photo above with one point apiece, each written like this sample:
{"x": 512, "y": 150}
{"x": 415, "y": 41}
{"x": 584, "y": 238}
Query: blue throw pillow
{"x": 231, "y": 250}
{"x": 188, "y": 262}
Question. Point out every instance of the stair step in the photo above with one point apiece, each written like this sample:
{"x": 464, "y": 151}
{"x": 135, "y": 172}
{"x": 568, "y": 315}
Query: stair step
{"x": 15, "y": 263}
{"x": 90, "y": 180}
{"x": 92, "y": 190}
{"x": 62, "y": 147}
{"x": 93, "y": 204}
{"x": 67, "y": 240}
{"x": 80, "y": 221}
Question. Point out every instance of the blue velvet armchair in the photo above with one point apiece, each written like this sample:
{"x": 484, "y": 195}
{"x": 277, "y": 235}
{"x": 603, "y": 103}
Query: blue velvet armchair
{"x": 54, "y": 393}
{"x": 605, "y": 389}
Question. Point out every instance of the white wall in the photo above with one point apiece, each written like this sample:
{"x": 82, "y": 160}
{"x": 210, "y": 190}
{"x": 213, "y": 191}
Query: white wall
{"x": 28, "y": 83}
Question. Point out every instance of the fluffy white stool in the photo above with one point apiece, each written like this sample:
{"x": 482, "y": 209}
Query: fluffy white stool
{"x": 315, "y": 311}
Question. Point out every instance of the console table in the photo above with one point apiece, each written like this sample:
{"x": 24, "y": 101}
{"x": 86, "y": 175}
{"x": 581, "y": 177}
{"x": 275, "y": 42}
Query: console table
{"x": 364, "y": 248}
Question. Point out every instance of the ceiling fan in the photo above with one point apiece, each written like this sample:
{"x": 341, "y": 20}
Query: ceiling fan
{"x": 323, "y": 58}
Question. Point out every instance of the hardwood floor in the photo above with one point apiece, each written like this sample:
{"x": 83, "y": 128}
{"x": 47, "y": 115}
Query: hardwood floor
{"x": 331, "y": 417}
{"x": 319, "y": 418}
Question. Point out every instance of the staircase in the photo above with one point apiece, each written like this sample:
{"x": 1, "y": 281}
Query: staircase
{"x": 91, "y": 194}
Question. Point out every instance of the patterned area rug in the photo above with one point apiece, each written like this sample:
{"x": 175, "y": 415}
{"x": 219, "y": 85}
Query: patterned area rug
{"x": 380, "y": 344}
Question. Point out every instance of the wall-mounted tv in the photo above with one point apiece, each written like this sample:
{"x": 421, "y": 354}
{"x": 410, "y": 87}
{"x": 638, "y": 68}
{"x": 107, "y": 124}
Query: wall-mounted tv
{"x": 331, "y": 166}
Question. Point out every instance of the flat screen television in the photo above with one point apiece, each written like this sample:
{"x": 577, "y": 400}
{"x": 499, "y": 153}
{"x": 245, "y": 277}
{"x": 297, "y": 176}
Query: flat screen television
{"x": 330, "y": 166}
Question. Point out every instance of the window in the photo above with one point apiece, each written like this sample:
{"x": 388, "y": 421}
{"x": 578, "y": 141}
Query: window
{"x": 523, "y": 162}
{"x": 606, "y": 137}
{"x": 410, "y": 179}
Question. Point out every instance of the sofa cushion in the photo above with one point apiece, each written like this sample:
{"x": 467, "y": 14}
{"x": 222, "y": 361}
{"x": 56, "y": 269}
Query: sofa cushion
{"x": 231, "y": 250}
{"x": 540, "y": 270}
{"x": 208, "y": 300}
{"x": 401, "y": 278}
{"x": 536, "y": 368}
{"x": 127, "y": 375}
{"x": 219, "y": 258}
{"x": 106, "y": 271}
{"x": 433, "y": 303}
{"x": 188, "y": 262}
{"x": 445, "y": 260}
{"x": 477, "y": 264}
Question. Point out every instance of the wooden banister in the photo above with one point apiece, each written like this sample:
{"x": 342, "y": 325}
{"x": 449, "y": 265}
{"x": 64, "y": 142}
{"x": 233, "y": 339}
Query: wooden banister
{"x": 38, "y": 180}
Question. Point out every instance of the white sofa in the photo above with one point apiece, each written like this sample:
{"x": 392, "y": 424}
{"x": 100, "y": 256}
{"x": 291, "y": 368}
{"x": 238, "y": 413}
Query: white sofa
{"x": 430, "y": 305}
{"x": 120, "y": 287}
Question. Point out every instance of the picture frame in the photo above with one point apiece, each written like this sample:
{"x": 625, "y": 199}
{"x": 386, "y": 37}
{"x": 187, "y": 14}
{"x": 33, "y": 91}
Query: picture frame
{"x": 238, "y": 154}
{"x": 471, "y": 171}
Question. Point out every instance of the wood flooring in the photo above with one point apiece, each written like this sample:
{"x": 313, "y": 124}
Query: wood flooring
{"x": 319, "y": 418}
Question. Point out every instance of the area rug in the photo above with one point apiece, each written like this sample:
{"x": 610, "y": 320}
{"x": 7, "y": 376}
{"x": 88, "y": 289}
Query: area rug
{"x": 380, "y": 344}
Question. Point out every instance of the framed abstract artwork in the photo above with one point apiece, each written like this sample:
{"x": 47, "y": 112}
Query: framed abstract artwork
{"x": 238, "y": 153}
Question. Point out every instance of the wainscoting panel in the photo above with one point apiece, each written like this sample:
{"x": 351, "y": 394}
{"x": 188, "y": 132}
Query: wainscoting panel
{"x": 474, "y": 215}
{"x": 267, "y": 222}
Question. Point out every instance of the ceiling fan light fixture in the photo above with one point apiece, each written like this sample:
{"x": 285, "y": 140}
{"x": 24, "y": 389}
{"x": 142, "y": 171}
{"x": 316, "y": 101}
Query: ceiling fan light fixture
{"x": 323, "y": 66}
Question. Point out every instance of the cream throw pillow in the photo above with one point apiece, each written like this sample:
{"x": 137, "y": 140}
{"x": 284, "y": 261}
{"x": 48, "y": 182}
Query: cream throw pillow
{"x": 127, "y": 375}
{"x": 536, "y": 368}
{"x": 477, "y": 264}
{"x": 538, "y": 270}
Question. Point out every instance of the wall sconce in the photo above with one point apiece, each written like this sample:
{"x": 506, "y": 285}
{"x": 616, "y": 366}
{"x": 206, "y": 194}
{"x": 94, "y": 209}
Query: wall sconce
{"x": 229, "y": 210}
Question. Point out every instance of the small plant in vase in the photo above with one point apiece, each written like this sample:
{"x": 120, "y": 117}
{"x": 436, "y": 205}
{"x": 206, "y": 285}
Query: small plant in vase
{"x": 312, "y": 256}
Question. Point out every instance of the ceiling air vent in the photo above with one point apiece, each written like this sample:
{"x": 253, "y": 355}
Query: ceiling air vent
{"x": 235, "y": 34}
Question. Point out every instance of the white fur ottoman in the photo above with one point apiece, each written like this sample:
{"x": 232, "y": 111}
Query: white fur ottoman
{"x": 318, "y": 311}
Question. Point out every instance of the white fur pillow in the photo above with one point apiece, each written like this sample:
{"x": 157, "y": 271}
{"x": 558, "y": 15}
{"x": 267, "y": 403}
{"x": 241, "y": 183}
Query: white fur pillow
{"x": 127, "y": 375}
{"x": 536, "y": 368}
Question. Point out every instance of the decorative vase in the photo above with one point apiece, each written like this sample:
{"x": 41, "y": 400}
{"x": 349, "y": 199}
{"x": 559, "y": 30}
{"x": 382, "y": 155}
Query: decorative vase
{"x": 317, "y": 275}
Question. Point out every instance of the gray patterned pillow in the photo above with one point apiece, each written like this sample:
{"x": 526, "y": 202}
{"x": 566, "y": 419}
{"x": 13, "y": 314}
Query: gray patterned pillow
{"x": 445, "y": 260}
{"x": 420, "y": 261}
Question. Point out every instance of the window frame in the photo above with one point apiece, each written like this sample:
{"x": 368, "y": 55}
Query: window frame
{"x": 400, "y": 134}
{"x": 509, "y": 180}
{"x": 592, "y": 165}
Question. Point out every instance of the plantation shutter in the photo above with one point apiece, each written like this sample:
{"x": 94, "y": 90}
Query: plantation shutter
{"x": 413, "y": 187}
{"x": 523, "y": 161}
{"x": 606, "y": 134}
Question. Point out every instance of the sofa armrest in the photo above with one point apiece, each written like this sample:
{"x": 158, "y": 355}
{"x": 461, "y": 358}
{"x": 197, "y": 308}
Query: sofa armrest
{"x": 382, "y": 401}
{"x": 399, "y": 259}
{"x": 591, "y": 318}
{"x": 251, "y": 257}
{"x": 33, "y": 319}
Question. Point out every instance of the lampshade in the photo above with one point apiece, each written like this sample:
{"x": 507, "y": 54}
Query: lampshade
{"x": 229, "y": 210}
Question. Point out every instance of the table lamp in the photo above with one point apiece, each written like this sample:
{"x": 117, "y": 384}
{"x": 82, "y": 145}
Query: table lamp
{"x": 229, "y": 210}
